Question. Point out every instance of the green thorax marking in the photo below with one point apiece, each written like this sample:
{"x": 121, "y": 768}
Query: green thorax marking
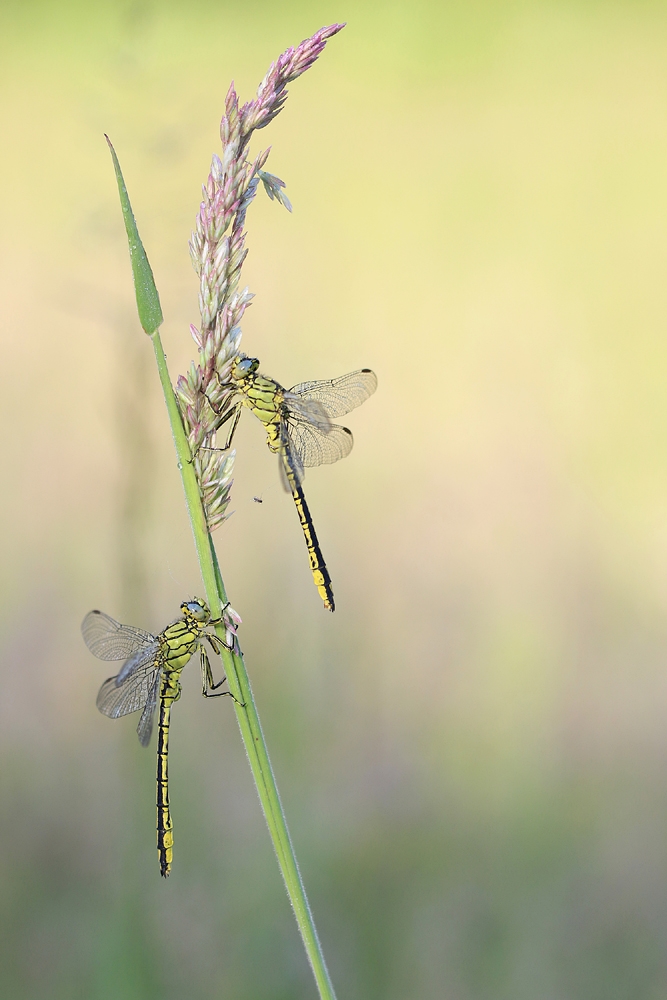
{"x": 264, "y": 396}
{"x": 178, "y": 642}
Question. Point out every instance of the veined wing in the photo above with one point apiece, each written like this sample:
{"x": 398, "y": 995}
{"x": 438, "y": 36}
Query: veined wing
{"x": 145, "y": 727}
{"x": 338, "y": 396}
{"x": 311, "y": 411}
{"x": 128, "y": 692}
{"x": 109, "y": 640}
{"x": 288, "y": 459}
{"x": 309, "y": 446}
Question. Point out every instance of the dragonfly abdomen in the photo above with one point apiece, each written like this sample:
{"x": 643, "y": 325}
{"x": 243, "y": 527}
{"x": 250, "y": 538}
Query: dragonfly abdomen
{"x": 165, "y": 827}
{"x": 178, "y": 642}
{"x": 317, "y": 565}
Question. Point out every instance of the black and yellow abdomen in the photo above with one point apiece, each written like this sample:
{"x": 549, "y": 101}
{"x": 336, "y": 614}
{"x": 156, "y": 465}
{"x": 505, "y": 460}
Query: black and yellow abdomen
{"x": 317, "y": 564}
{"x": 178, "y": 642}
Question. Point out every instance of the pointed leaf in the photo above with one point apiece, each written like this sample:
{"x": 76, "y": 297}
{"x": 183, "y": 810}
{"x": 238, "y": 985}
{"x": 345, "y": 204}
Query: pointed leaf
{"x": 148, "y": 300}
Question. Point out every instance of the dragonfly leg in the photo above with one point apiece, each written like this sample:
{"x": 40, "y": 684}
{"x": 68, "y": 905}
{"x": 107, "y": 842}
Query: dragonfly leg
{"x": 220, "y": 620}
{"x": 216, "y": 643}
{"x": 233, "y": 415}
{"x": 209, "y": 689}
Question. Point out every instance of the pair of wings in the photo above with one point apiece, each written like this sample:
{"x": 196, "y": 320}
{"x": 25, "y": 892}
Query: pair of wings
{"x": 308, "y": 436}
{"x": 137, "y": 684}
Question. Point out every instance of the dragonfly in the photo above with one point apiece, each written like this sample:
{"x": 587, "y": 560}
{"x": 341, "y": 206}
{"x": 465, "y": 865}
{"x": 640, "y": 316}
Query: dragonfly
{"x": 299, "y": 429}
{"x": 151, "y": 676}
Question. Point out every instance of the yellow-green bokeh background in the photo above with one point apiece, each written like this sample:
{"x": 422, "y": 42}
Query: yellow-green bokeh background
{"x": 472, "y": 750}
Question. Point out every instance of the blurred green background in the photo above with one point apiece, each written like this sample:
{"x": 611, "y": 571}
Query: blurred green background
{"x": 472, "y": 750}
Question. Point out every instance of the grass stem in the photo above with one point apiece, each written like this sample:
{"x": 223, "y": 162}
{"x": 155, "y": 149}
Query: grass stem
{"x": 239, "y": 685}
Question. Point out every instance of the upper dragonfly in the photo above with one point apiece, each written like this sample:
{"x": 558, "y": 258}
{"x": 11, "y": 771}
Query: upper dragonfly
{"x": 151, "y": 674}
{"x": 299, "y": 430}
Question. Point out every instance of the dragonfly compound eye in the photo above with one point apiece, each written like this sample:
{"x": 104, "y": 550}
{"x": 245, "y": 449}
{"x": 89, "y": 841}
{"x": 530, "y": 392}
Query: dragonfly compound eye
{"x": 198, "y": 609}
{"x": 244, "y": 367}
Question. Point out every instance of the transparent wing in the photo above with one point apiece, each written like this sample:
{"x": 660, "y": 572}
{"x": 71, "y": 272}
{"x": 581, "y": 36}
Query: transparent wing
{"x": 145, "y": 727}
{"x": 109, "y": 640}
{"x": 338, "y": 396}
{"x": 123, "y": 695}
{"x": 288, "y": 459}
{"x": 136, "y": 662}
{"x": 309, "y": 446}
{"x": 311, "y": 411}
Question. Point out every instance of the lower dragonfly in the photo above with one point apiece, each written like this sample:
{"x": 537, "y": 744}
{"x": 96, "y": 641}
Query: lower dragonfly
{"x": 151, "y": 674}
{"x": 299, "y": 430}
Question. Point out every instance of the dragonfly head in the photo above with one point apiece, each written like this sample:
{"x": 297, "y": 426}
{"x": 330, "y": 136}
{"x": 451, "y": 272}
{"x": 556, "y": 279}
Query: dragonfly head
{"x": 197, "y": 609}
{"x": 243, "y": 367}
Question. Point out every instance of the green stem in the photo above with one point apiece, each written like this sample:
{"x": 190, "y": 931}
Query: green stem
{"x": 239, "y": 685}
